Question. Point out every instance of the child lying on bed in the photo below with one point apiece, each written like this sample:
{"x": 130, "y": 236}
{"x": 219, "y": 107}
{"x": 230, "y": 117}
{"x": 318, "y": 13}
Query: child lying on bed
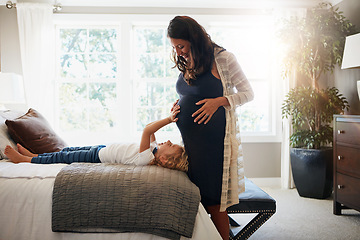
{"x": 165, "y": 154}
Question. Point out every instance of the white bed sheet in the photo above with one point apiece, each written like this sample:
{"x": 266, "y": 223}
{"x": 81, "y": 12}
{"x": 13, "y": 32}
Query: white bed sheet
{"x": 25, "y": 208}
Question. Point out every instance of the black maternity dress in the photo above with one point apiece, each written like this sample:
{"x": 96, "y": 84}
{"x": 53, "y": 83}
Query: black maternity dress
{"x": 204, "y": 143}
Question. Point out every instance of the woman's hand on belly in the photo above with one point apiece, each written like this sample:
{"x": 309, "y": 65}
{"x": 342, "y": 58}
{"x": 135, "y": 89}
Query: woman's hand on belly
{"x": 209, "y": 107}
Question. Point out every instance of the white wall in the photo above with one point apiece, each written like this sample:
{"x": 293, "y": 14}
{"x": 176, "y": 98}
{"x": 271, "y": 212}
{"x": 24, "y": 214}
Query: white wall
{"x": 345, "y": 79}
{"x": 9, "y": 41}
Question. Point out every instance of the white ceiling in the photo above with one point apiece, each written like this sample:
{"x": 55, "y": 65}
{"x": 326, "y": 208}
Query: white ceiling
{"x": 184, "y": 3}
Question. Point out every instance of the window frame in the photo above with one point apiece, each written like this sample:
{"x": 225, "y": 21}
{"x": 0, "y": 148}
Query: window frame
{"x": 125, "y": 23}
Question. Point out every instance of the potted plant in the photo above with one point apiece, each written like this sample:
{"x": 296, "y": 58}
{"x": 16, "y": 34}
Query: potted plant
{"x": 315, "y": 45}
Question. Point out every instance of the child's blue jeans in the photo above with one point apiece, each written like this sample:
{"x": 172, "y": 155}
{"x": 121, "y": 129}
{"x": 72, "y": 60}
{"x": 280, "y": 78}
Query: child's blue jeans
{"x": 70, "y": 155}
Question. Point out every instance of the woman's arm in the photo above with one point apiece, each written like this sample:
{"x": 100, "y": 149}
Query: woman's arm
{"x": 238, "y": 80}
{"x": 148, "y": 135}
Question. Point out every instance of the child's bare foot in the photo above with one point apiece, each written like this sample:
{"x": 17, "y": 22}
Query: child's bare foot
{"x": 24, "y": 151}
{"x": 15, "y": 156}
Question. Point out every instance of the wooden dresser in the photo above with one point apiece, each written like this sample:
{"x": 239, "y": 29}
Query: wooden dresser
{"x": 346, "y": 162}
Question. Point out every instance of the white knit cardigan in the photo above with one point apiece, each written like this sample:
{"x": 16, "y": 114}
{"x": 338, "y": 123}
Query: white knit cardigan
{"x": 238, "y": 91}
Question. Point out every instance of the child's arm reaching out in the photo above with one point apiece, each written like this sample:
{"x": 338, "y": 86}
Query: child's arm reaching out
{"x": 149, "y": 130}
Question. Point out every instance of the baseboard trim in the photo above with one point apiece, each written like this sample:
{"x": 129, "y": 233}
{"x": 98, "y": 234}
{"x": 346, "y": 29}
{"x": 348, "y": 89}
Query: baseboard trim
{"x": 267, "y": 182}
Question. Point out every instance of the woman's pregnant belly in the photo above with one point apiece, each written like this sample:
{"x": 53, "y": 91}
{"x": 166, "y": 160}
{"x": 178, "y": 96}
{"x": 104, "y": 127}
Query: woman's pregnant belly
{"x": 189, "y": 128}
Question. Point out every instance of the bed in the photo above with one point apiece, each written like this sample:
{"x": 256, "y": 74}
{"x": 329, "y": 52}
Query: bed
{"x": 26, "y": 192}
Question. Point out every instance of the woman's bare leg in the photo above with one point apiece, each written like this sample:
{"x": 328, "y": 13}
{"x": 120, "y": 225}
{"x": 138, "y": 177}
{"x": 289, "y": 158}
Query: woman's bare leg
{"x": 220, "y": 220}
{"x": 15, "y": 156}
{"x": 25, "y": 151}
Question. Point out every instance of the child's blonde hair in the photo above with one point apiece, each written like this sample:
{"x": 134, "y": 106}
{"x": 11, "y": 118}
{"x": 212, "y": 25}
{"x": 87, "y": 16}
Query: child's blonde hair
{"x": 177, "y": 162}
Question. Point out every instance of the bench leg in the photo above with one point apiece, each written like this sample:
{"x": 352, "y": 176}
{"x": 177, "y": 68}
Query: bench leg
{"x": 233, "y": 223}
{"x": 252, "y": 226}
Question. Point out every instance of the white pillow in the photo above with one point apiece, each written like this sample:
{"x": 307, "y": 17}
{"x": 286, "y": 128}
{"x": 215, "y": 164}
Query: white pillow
{"x": 5, "y": 138}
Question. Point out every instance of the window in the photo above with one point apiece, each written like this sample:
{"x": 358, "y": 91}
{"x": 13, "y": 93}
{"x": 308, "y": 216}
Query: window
{"x": 114, "y": 77}
{"x": 154, "y": 77}
{"x": 87, "y": 78}
{"x": 251, "y": 39}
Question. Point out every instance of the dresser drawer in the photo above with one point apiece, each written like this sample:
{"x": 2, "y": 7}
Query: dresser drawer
{"x": 348, "y": 160}
{"x": 348, "y": 132}
{"x": 348, "y": 190}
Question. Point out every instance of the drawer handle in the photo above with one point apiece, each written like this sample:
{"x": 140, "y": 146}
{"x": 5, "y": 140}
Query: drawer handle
{"x": 340, "y": 131}
{"x": 341, "y": 186}
{"x": 340, "y": 157}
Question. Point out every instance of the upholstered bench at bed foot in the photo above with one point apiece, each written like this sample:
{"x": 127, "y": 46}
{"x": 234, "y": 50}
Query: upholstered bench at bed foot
{"x": 253, "y": 200}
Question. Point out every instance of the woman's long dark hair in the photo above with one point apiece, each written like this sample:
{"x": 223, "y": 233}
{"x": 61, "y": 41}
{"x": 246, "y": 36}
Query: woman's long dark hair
{"x": 202, "y": 48}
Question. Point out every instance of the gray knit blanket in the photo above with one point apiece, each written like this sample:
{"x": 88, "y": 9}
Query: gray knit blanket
{"x": 102, "y": 197}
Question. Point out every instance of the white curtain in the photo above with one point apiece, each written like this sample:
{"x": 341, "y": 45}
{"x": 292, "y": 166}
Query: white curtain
{"x": 286, "y": 174}
{"x": 35, "y": 22}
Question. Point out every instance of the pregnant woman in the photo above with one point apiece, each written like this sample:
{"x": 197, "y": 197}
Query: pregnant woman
{"x": 211, "y": 85}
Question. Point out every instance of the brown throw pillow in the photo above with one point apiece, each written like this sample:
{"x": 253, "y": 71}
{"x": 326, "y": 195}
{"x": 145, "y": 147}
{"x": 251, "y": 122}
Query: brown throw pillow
{"x": 34, "y": 133}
